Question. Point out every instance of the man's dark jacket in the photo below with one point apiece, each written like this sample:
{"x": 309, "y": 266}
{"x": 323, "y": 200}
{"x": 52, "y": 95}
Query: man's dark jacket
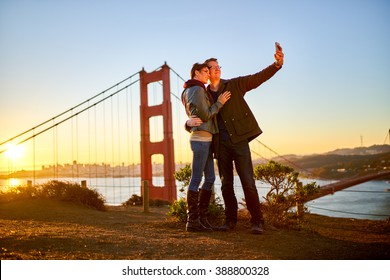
{"x": 236, "y": 115}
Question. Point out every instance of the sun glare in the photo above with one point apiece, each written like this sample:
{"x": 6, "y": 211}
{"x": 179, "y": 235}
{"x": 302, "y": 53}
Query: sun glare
{"x": 14, "y": 152}
{"x": 14, "y": 182}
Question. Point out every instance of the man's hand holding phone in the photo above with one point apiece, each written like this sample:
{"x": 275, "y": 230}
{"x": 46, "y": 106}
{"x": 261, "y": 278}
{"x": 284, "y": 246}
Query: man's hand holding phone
{"x": 279, "y": 55}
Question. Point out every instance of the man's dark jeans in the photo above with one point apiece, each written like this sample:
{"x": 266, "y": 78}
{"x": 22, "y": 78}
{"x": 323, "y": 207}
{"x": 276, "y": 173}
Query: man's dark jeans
{"x": 238, "y": 153}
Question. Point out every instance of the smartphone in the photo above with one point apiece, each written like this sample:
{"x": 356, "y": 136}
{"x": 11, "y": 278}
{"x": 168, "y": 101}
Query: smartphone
{"x": 277, "y": 46}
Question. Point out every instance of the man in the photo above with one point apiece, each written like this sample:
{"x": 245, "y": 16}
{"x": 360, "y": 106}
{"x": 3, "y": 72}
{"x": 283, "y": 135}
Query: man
{"x": 237, "y": 127}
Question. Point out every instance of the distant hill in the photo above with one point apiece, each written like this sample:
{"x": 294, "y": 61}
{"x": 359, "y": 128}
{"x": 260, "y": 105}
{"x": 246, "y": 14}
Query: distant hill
{"x": 341, "y": 163}
{"x": 373, "y": 150}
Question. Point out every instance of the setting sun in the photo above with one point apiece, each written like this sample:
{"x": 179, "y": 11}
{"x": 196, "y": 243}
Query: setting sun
{"x": 14, "y": 152}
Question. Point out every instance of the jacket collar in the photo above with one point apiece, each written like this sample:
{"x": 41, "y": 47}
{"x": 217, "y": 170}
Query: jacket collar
{"x": 222, "y": 83}
{"x": 193, "y": 82}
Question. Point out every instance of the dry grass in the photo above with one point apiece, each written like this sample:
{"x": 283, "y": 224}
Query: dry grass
{"x": 47, "y": 229}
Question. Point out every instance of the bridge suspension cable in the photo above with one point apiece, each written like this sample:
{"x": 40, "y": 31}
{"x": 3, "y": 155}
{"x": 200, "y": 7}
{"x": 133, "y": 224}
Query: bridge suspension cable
{"x": 68, "y": 111}
{"x": 387, "y": 137}
{"x": 347, "y": 212}
{"x": 287, "y": 160}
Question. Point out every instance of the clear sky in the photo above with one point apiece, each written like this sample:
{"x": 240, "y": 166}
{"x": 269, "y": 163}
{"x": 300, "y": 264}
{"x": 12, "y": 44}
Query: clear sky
{"x": 333, "y": 91}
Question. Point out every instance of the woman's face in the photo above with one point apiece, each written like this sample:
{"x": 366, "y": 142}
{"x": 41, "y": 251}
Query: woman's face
{"x": 203, "y": 75}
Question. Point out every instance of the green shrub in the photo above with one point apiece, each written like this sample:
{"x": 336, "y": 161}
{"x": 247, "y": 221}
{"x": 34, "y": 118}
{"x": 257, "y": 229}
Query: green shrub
{"x": 216, "y": 212}
{"x": 285, "y": 193}
{"x": 58, "y": 190}
{"x": 134, "y": 200}
{"x": 178, "y": 210}
{"x": 18, "y": 192}
{"x": 183, "y": 176}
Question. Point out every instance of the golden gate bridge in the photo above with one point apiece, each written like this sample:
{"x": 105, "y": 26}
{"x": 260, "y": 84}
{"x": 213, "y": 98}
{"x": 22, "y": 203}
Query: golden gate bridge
{"x": 127, "y": 130}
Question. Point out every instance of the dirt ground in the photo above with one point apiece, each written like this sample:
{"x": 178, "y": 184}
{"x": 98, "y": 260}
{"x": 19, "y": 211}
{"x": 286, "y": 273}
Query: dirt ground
{"x": 44, "y": 229}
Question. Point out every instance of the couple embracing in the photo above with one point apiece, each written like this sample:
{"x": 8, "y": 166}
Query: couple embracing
{"x": 222, "y": 125}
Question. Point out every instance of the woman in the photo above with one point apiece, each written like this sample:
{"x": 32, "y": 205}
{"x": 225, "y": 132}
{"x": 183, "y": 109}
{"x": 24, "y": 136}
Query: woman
{"x": 198, "y": 102}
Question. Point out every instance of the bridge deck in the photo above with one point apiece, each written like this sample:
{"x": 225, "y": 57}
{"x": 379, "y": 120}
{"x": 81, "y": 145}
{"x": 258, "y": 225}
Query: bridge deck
{"x": 343, "y": 184}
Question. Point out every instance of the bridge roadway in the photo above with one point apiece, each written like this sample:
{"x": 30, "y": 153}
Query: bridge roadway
{"x": 343, "y": 184}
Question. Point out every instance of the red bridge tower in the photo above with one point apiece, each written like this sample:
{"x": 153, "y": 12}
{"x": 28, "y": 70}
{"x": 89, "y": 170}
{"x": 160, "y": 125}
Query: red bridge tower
{"x": 164, "y": 147}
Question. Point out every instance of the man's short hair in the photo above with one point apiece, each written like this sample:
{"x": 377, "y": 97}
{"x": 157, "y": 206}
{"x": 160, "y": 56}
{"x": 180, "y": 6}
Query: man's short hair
{"x": 197, "y": 67}
{"x": 210, "y": 59}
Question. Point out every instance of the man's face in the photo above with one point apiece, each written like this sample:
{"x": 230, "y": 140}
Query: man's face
{"x": 215, "y": 70}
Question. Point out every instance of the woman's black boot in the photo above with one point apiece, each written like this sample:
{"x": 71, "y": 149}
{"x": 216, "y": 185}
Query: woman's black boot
{"x": 204, "y": 201}
{"x": 193, "y": 223}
